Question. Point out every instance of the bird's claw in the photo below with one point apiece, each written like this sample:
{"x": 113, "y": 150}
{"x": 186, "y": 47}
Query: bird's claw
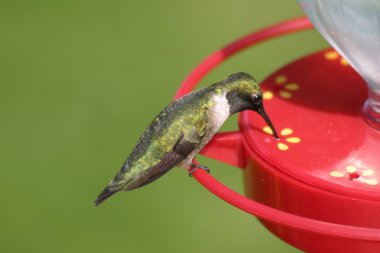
{"x": 194, "y": 167}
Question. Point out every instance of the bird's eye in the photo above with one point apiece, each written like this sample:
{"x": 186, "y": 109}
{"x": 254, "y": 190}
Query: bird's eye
{"x": 257, "y": 98}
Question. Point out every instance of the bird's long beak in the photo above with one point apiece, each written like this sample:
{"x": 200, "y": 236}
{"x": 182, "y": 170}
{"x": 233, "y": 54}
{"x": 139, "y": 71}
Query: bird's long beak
{"x": 263, "y": 114}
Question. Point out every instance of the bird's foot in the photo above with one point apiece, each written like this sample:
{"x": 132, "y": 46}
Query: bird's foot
{"x": 194, "y": 167}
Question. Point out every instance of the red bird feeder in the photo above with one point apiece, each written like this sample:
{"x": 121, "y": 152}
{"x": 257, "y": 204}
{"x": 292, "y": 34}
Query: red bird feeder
{"x": 318, "y": 187}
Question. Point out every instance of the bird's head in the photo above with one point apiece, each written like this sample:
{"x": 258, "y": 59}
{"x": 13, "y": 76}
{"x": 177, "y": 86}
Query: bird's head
{"x": 244, "y": 93}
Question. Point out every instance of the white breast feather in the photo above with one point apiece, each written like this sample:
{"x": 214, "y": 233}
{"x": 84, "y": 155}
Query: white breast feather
{"x": 221, "y": 111}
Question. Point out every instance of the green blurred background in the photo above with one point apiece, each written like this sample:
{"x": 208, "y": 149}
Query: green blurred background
{"x": 80, "y": 80}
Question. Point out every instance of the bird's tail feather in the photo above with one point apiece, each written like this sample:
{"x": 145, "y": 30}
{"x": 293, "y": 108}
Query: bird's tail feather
{"x": 105, "y": 194}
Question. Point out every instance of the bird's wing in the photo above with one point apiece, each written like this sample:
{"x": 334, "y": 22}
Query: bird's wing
{"x": 170, "y": 159}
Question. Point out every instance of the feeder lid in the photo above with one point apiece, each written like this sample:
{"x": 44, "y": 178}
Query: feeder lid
{"x": 316, "y": 105}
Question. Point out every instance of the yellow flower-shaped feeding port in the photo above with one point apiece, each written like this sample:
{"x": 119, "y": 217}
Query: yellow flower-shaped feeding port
{"x": 283, "y": 145}
{"x": 285, "y": 89}
{"x": 353, "y": 173}
{"x": 333, "y": 55}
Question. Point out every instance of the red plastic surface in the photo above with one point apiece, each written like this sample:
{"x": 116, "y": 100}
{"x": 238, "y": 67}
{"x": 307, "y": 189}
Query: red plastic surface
{"x": 289, "y": 225}
{"x": 326, "y": 164}
{"x": 316, "y": 105}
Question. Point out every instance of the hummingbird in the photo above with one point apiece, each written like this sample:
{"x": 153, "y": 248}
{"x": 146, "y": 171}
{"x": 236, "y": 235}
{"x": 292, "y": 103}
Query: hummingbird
{"x": 183, "y": 128}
